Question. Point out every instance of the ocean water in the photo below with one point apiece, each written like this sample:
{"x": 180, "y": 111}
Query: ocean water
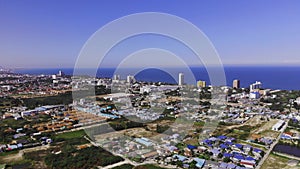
{"x": 287, "y": 78}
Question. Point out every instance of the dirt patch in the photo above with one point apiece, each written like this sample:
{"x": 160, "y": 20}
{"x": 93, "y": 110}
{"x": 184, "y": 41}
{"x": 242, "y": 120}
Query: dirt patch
{"x": 277, "y": 162}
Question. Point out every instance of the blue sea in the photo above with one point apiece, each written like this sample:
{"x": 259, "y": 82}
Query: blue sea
{"x": 277, "y": 77}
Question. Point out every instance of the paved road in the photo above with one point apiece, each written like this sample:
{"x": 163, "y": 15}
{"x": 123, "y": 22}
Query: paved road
{"x": 261, "y": 162}
{"x": 115, "y": 165}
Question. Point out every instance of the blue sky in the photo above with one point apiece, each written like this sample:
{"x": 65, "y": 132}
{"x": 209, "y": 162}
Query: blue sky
{"x": 51, "y": 33}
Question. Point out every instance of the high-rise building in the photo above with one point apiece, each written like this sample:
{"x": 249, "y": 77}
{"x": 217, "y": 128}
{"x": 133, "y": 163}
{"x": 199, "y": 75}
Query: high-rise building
{"x": 116, "y": 77}
{"x": 180, "y": 79}
{"x": 236, "y": 83}
{"x": 255, "y": 86}
{"x": 130, "y": 79}
{"x": 60, "y": 73}
{"x": 201, "y": 84}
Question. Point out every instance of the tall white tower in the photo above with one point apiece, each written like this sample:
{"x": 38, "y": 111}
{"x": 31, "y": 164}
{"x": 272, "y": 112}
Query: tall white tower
{"x": 180, "y": 79}
{"x": 255, "y": 86}
{"x": 130, "y": 79}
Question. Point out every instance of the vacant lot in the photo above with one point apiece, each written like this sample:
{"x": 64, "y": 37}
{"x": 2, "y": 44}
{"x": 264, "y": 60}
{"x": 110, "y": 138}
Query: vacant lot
{"x": 71, "y": 135}
{"x": 278, "y": 162}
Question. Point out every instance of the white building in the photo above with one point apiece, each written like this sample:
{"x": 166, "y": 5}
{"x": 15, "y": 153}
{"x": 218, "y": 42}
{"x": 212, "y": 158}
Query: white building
{"x": 256, "y": 85}
{"x": 298, "y": 100}
{"x": 180, "y": 79}
{"x": 116, "y": 77}
{"x": 254, "y": 95}
{"x": 130, "y": 79}
{"x": 60, "y": 73}
{"x": 278, "y": 125}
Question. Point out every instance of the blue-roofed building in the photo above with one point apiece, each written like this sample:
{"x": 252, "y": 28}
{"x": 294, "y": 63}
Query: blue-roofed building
{"x": 144, "y": 141}
{"x": 213, "y": 139}
{"x": 238, "y": 167}
{"x": 249, "y": 158}
{"x": 215, "y": 152}
{"x": 231, "y": 166}
{"x": 223, "y": 146}
{"x": 247, "y": 148}
{"x": 240, "y": 146}
{"x": 222, "y": 137}
{"x": 286, "y": 137}
{"x": 266, "y": 140}
{"x": 191, "y": 147}
{"x": 223, "y": 165}
{"x": 207, "y": 141}
{"x": 257, "y": 150}
{"x": 230, "y": 139}
{"x": 179, "y": 157}
{"x": 186, "y": 166}
{"x": 238, "y": 157}
{"x": 227, "y": 155}
{"x": 229, "y": 143}
{"x": 200, "y": 162}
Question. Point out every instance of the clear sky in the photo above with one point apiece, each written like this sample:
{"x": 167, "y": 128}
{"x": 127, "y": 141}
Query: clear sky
{"x": 51, "y": 33}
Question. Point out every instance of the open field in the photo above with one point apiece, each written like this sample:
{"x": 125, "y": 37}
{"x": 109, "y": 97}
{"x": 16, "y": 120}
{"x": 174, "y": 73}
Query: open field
{"x": 71, "y": 135}
{"x": 278, "y": 162}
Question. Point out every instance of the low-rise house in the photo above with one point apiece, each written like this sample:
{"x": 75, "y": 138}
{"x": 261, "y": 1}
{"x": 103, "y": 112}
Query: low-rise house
{"x": 200, "y": 162}
{"x": 150, "y": 154}
{"x": 188, "y": 152}
{"x": 19, "y": 135}
{"x": 257, "y": 152}
{"x": 238, "y": 157}
{"x": 215, "y": 152}
{"x": 266, "y": 141}
{"x": 247, "y": 164}
{"x": 210, "y": 164}
{"x": 247, "y": 148}
{"x": 179, "y": 157}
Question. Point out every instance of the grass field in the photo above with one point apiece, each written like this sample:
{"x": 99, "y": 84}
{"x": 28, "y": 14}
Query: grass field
{"x": 71, "y": 135}
{"x": 277, "y": 162}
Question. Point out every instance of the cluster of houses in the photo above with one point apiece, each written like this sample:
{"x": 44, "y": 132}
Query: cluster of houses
{"x": 239, "y": 154}
{"x": 67, "y": 120}
{"x": 57, "y": 118}
{"x": 38, "y": 85}
{"x": 290, "y": 136}
{"x": 19, "y": 145}
{"x": 222, "y": 152}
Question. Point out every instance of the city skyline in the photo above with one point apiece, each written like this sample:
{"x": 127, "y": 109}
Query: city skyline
{"x": 46, "y": 35}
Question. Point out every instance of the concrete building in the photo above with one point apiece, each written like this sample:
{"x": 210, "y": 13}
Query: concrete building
{"x": 116, "y": 77}
{"x": 60, "y": 73}
{"x": 236, "y": 84}
{"x": 298, "y": 100}
{"x": 130, "y": 79}
{"x": 254, "y": 95}
{"x": 278, "y": 125}
{"x": 180, "y": 79}
{"x": 255, "y": 86}
{"x": 201, "y": 84}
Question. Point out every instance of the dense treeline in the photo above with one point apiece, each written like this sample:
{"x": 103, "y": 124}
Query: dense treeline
{"x": 9, "y": 102}
{"x": 71, "y": 158}
{"x": 121, "y": 124}
{"x": 64, "y": 98}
